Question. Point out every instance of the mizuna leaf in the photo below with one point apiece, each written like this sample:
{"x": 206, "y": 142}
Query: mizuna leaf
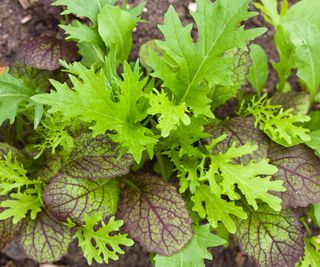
{"x": 299, "y": 168}
{"x": 66, "y": 197}
{"x": 234, "y": 129}
{"x": 271, "y": 238}
{"x": 97, "y": 157}
{"x": 45, "y": 52}
{"x": 45, "y": 239}
{"x": 190, "y": 70}
{"x": 155, "y": 215}
{"x": 83, "y": 8}
{"x": 194, "y": 253}
{"x": 7, "y": 229}
{"x": 212, "y": 207}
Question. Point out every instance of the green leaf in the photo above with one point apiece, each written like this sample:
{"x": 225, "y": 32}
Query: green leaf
{"x": 83, "y": 8}
{"x": 212, "y": 207}
{"x": 269, "y": 9}
{"x": 258, "y": 73}
{"x": 92, "y": 100}
{"x": 45, "y": 239}
{"x": 316, "y": 214}
{"x": 314, "y": 142}
{"x": 155, "y": 215}
{"x": 66, "y": 197}
{"x": 311, "y": 252}
{"x": 272, "y": 238}
{"x": 20, "y": 204}
{"x": 101, "y": 244}
{"x": 82, "y": 33}
{"x": 171, "y": 114}
{"x": 283, "y": 126}
{"x": 96, "y": 157}
{"x": 188, "y": 69}
{"x": 115, "y": 28}
{"x": 14, "y": 94}
{"x": 253, "y": 178}
{"x": 299, "y": 168}
{"x": 193, "y": 254}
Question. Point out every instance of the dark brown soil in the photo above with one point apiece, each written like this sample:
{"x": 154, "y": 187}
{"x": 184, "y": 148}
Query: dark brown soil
{"x": 42, "y": 19}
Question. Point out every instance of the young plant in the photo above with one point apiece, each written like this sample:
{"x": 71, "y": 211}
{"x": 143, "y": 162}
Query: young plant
{"x": 79, "y": 163}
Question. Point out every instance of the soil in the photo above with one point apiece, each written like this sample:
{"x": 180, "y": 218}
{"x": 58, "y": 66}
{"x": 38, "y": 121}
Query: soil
{"x": 18, "y": 26}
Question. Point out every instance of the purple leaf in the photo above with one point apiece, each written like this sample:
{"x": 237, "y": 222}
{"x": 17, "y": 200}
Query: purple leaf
{"x": 155, "y": 215}
{"x": 299, "y": 168}
{"x": 97, "y": 157}
{"x": 45, "y": 239}
{"x": 67, "y": 197}
{"x": 45, "y": 53}
{"x": 272, "y": 238}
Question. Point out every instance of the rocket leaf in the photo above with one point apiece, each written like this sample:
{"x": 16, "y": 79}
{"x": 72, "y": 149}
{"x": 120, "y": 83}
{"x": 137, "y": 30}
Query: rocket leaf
{"x": 155, "y": 215}
{"x": 66, "y": 197}
{"x": 272, "y": 238}
{"x": 45, "y": 239}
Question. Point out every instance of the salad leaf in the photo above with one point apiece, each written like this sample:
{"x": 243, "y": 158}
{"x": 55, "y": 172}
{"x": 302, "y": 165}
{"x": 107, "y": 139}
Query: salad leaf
{"x": 155, "y": 215}
{"x": 96, "y": 157}
{"x": 92, "y": 100}
{"x": 101, "y": 244}
{"x": 193, "y": 254}
{"x": 311, "y": 252}
{"x": 272, "y": 238}
{"x": 52, "y": 238}
{"x": 66, "y": 197}
{"x": 299, "y": 168}
{"x": 188, "y": 69}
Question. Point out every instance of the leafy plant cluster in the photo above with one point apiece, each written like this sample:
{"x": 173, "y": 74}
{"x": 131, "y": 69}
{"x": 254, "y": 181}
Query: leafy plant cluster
{"x": 108, "y": 152}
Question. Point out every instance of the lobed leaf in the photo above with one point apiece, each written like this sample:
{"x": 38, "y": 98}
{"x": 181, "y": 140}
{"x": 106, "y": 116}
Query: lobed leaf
{"x": 299, "y": 168}
{"x": 155, "y": 215}
{"x": 67, "y": 197}
{"x": 45, "y": 239}
{"x": 96, "y": 157}
{"x": 45, "y": 52}
{"x": 272, "y": 238}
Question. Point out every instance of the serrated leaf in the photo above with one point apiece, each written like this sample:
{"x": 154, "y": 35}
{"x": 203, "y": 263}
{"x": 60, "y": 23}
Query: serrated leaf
{"x": 258, "y": 73}
{"x": 101, "y": 244}
{"x": 193, "y": 254}
{"x": 299, "y": 168}
{"x": 234, "y": 129}
{"x": 66, "y": 197}
{"x": 97, "y": 157}
{"x": 189, "y": 69}
{"x": 92, "y": 100}
{"x": 311, "y": 252}
{"x": 155, "y": 215}
{"x": 272, "y": 238}
{"x": 171, "y": 115}
{"x": 115, "y": 28}
{"x": 83, "y": 8}
{"x": 211, "y": 206}
{"x": 45, "y": 239}
{"x": 45, "y": 52}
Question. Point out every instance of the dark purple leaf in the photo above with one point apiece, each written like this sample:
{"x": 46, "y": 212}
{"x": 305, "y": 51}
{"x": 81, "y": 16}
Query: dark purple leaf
{"x": 45, "y": 239}
{"x": 67, "y": 197}
{"x": 271, "y": 238}
{"x": 299, "y": 168}
{"x": 242, "y": 131}
{"x": 45, "y": 53}
{"x": 97, "y": 157}
{"x": 155, "y": 215}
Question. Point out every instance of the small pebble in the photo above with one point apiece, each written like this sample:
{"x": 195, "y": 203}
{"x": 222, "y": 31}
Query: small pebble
{"x": 26, "y": 19}
{"x": 192, "y": 7}
{"x": 145, "y": 10}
